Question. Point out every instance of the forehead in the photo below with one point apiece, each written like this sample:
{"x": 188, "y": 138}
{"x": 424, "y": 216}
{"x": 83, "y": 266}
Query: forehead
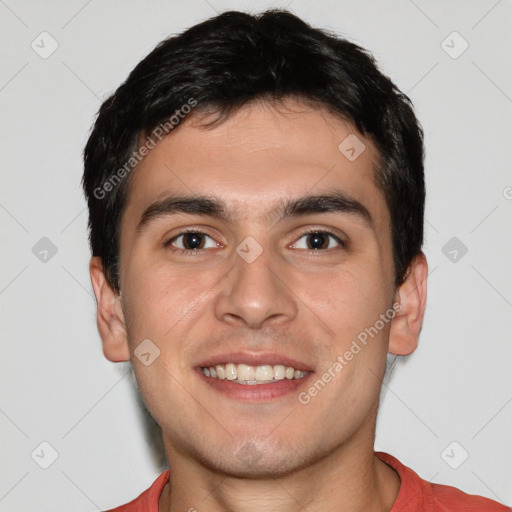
{"x": 259, "y": 155}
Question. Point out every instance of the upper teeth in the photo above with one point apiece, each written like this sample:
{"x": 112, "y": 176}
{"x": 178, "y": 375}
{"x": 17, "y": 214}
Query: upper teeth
{"x": 246, "y": 374}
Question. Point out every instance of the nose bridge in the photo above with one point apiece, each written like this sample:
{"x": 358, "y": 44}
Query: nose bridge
{"x": 254, "y": 292}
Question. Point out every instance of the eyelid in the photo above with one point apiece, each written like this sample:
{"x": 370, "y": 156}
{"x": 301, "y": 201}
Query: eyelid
{"x": 324, "y": 230}
{"x": 186, "y": 231}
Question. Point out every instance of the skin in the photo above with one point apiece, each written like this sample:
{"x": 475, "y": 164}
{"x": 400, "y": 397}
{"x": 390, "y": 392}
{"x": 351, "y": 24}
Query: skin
{"x": 318, "y": 456}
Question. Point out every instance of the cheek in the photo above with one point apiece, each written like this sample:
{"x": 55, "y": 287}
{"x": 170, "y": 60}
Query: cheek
{"x": 347, "y": 300}
{"x": 160, "y": 296}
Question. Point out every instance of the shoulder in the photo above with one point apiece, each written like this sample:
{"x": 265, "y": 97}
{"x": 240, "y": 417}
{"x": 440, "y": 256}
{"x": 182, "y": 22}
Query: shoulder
{"x": 447, "y": 497}
{"x": 148, "y": 500}
{"x": 418, "y": 494}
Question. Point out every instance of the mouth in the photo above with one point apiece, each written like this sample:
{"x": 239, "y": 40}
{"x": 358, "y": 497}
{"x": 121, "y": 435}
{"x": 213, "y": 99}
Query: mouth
{"x": 252, "y": 375}
{"x": 254, "y": 378}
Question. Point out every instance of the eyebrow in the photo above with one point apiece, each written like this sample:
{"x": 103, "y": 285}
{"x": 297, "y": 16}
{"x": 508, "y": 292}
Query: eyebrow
{"x": 332, "y": 202}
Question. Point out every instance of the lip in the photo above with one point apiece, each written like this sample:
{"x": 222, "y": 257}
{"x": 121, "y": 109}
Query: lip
{"x": 254, "y": 359}
{"x": 257, "y": 392}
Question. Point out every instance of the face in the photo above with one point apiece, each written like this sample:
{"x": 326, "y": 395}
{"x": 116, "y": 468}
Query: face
{"x": 260, "y": 279}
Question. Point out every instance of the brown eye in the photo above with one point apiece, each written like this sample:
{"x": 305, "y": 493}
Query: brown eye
{"x": 318, "y": 240}
{"x": 191, "y": 241}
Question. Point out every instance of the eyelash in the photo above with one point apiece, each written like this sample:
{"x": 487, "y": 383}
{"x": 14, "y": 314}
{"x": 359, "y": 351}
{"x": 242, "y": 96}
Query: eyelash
{"x": 199, "y": 231}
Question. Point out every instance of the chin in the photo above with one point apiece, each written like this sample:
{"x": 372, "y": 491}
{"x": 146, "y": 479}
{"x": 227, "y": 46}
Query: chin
{"x": 259, "y": 460}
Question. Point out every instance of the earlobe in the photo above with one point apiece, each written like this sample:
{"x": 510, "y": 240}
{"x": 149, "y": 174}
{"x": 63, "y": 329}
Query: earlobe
{"x": 110, "y": 318}
{"x": 412, "y": 296}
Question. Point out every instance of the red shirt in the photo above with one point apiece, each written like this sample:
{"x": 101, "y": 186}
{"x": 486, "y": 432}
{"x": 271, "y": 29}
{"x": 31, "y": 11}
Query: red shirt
{"x": 415, "y": 495}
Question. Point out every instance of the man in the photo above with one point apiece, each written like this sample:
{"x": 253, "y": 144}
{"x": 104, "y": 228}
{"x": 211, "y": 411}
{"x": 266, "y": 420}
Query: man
{"x": 256, "y": 199}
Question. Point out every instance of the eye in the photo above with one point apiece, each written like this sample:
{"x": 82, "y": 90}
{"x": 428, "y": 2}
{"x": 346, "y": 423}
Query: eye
{"x": 315, "y": 240}
{"x": 191, "y": 241}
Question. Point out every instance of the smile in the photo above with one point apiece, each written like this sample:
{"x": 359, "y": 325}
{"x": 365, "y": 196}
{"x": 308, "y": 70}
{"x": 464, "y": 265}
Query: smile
{"x": 253, "y": 375}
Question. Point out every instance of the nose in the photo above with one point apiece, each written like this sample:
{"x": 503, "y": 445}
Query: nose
{"x": 256, "y": 293}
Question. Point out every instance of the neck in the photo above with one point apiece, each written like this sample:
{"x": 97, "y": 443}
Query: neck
{"x": 349, "y": 479}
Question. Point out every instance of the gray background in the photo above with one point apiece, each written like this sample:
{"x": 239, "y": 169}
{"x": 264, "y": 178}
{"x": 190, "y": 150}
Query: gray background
{"x": 56, "y": 386}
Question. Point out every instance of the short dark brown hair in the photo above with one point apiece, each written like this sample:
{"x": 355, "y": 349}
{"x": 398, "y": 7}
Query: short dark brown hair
{"x": 224, "y": 63}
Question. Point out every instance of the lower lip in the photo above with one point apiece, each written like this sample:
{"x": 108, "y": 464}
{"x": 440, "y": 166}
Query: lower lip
{"x": 255, "y": 392}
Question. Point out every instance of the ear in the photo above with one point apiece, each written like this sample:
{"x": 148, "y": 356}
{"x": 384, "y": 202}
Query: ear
{"x": 412, "y": 296}
{"x": 110, "y": 318}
